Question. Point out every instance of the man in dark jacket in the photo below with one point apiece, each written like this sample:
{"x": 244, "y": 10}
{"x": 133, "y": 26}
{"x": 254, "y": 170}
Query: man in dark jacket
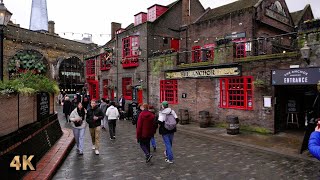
{"x": 145, "y": 130}
{"x": 167, "y": 135}
{"x": 94, "y": 117}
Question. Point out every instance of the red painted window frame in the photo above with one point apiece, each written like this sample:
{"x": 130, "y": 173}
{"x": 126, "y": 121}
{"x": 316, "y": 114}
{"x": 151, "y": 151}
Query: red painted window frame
{"x": 105, "y": 83}
{"x": 90, "y": 67}
{"x": 169, "y": 91}
{"x": 104, "y": 64}
{"x": 196, "y": 54}
{"x": 127, "y": 93}
{"x": 130, "y": 52}
{"x": 94, "y": 91}
{"x": 208, "y": 52}
{"x": 236, "y": 93}
{"x": 240, "y": 48}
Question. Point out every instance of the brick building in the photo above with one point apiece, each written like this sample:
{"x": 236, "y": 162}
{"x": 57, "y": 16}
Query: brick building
{"x": 62, "y": 59}
{"x": 216, "y": 60}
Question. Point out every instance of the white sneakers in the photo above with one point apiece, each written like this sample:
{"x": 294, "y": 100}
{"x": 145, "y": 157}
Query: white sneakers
{"x": 97, "y": 152}
{"x": 93, "y": 147}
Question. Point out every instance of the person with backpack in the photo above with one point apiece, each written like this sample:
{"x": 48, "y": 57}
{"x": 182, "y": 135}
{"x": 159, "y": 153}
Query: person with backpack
{"x": 167, "y": 120}
{"x": 145, "y": 130}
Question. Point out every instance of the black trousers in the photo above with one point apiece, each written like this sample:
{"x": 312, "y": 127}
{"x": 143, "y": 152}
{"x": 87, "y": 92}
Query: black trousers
{"x": 145, "y": 146}
{"x": 112, "y": 127}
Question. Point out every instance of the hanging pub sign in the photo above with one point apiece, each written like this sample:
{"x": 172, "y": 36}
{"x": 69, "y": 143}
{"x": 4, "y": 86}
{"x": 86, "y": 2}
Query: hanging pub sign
{"x": 213, "y": 72}
{"x": 296, "y": 76}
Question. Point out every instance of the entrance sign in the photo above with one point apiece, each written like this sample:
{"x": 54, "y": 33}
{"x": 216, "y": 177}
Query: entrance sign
{"x": 296, "y": 76}
{"x": 201, "y": 73}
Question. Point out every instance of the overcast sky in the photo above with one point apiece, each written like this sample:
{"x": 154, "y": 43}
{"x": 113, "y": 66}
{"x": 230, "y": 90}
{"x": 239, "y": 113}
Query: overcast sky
{"x": 95, "y": 16}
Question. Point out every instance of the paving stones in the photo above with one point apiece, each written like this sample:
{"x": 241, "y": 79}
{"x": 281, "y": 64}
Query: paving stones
{"x": 195, "y": 158}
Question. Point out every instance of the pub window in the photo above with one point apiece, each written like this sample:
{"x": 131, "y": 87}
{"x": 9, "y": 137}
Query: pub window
{"x": 126, "y": 88}
{"x": 196, "y": 54}
{"x": 208, "y": 52}
{"x": 236, "y": 93}
{"x": 130, "y": 46}
{"x": 239, "y": 48}
{"x": 90, "y": 67}
{"x": 169, "y": 91}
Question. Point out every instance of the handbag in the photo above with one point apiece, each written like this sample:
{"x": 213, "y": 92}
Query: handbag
{"x": 77, "y": 123}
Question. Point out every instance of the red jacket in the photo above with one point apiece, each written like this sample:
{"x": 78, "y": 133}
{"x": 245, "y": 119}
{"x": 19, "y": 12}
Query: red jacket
{"x": 145, "y": 127}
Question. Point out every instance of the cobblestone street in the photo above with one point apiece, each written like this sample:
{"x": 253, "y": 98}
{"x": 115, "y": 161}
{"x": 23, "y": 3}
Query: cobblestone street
{"x": 195, "y": 158}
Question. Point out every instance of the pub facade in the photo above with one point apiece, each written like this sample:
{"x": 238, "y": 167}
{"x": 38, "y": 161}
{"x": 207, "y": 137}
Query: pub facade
{"x": 218, "y": 60}
{"x": 229, "y": 72}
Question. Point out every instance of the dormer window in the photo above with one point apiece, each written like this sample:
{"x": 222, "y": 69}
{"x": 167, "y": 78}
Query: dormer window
{"x": 140, "y": 18}
{"x": 155, "y": 11}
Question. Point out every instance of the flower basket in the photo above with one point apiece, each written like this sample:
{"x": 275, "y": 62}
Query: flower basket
{"x": 259, "y": 83}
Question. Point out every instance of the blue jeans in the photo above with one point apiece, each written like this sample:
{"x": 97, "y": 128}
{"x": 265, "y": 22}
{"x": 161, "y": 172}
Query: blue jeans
{"x": 153, "y": 142}
{"x": 167, "y": 139}
{"x": 79, "y": 137}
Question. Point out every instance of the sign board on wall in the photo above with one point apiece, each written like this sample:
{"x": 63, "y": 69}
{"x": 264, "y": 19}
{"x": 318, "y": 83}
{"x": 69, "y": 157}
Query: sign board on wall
{"x": 296, "y": 76}
{"x": 43, "y": 105}
{"x": 202, "y": 73}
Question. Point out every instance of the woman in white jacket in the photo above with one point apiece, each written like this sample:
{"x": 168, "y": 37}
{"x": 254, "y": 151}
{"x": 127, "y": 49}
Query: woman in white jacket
{"x": 78, "y": 117}
{"x": 112, "y": 114}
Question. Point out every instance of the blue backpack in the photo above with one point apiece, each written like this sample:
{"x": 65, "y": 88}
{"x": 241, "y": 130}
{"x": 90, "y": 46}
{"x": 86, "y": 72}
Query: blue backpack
{"x": 170, "y": 122}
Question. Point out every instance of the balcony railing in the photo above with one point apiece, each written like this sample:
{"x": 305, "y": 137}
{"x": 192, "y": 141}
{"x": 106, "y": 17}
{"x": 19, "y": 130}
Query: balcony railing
{"x": 260, "y": 49}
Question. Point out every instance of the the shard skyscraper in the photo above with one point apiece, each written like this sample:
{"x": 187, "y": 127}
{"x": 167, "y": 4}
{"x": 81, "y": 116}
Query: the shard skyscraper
{"x": 39, "y": 16}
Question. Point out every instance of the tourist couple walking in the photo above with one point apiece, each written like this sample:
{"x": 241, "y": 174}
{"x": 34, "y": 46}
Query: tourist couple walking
{"x": 146, "y": 128}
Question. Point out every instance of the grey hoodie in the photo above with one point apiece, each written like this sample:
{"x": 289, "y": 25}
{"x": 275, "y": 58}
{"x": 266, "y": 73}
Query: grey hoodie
{"x": 164, "y": 112}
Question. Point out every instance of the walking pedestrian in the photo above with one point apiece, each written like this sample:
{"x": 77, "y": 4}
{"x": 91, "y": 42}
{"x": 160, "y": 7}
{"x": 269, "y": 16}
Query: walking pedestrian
{"x": 122, "y": 103}
{"x": 67, "y": 107}
{"x": 314, "y": 142}
{"x": 145, "y": 130}
{"x": 167, "y": 135}
{"x": 78, "y": 116}
{"x": 103, "y": 107}
{"x": 155, "y": 125}
{"x": 94, "y": 117}
{"x": 112, "y": 114}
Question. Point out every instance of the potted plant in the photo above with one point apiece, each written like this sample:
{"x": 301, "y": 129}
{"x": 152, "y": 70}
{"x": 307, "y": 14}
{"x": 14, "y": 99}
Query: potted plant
{"x": 258, "y": 83}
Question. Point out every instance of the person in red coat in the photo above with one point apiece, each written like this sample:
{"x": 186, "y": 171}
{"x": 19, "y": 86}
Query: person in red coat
{"x": 145, "y": 130}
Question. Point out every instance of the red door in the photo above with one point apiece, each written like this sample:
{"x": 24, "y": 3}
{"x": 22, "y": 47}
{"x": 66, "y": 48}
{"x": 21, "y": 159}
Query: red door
{"x": 175, "y": 44}
{"x": 140, "y": 96}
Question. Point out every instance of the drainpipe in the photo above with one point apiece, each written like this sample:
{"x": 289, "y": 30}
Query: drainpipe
{"x": 117, "y": 66}
{"x": 147, "y": 56}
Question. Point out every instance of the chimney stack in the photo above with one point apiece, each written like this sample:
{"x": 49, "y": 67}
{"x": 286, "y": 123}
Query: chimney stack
{"x": 51, "y": 27}
{"x": 114, "y": 27}
{"x": 186, "y": 12}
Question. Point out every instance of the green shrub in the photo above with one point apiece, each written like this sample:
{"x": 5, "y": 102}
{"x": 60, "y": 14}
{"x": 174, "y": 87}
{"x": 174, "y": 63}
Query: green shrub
{"x": 29, "y": 83}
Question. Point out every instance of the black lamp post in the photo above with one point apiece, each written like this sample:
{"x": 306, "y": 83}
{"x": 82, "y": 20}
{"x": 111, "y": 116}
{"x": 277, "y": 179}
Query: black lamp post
{"x": 5, "y": 16}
